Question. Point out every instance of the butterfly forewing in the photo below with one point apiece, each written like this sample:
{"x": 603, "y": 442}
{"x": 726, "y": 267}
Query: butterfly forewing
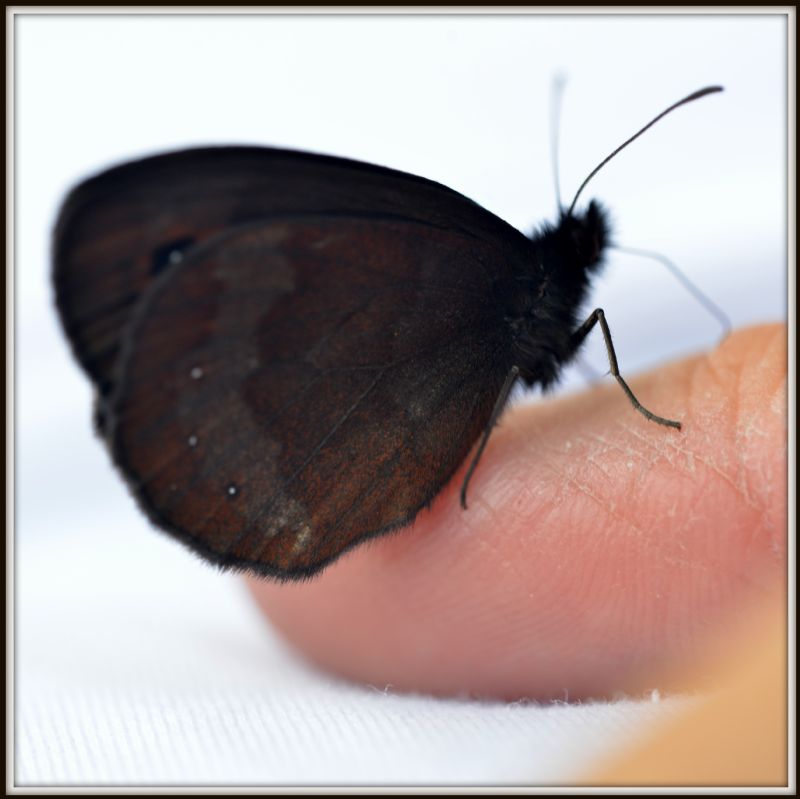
{"x": 294, "y": 387}
{"x": 120, "y": 230}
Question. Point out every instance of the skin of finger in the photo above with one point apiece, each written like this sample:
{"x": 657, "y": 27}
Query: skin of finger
{"x": 597, "y": 546}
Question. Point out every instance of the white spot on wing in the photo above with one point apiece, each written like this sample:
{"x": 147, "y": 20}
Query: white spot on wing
{"x": 302, "y": 540}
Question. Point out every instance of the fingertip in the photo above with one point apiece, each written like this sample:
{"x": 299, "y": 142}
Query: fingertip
{"x": 596, "y": 547}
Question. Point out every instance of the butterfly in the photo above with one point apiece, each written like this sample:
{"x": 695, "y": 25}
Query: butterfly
{"x": 293, "y": 353}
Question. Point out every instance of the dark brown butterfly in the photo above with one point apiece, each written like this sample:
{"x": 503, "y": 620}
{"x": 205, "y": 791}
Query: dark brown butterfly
{"x": 293, "y": 353}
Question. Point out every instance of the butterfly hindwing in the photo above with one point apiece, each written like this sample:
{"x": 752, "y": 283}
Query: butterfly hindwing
{"x": 294, "y": 387}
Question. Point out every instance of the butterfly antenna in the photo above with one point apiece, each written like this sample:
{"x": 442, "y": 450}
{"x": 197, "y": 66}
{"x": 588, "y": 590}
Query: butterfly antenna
{"x": 690, "y": 98}
{"x": 556, "y": 96}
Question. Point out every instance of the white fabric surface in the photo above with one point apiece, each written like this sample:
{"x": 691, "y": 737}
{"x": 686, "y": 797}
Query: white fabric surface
{"x": 138, "y": 665}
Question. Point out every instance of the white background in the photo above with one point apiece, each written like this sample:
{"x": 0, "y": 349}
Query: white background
{"x": 463, "y": 100}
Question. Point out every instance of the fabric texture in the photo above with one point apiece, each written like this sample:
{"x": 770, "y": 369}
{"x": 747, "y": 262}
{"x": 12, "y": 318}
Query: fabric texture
{"x": 139, "y": 665}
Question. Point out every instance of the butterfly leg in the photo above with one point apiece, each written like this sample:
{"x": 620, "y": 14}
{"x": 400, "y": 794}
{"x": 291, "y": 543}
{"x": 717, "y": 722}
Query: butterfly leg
{"x": 577, "y": 339}
{"x": 498, "y": 409}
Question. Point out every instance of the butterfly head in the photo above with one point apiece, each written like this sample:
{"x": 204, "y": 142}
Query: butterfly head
{"x": 543, "y": 305}
{"x": 583, "y": 238}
